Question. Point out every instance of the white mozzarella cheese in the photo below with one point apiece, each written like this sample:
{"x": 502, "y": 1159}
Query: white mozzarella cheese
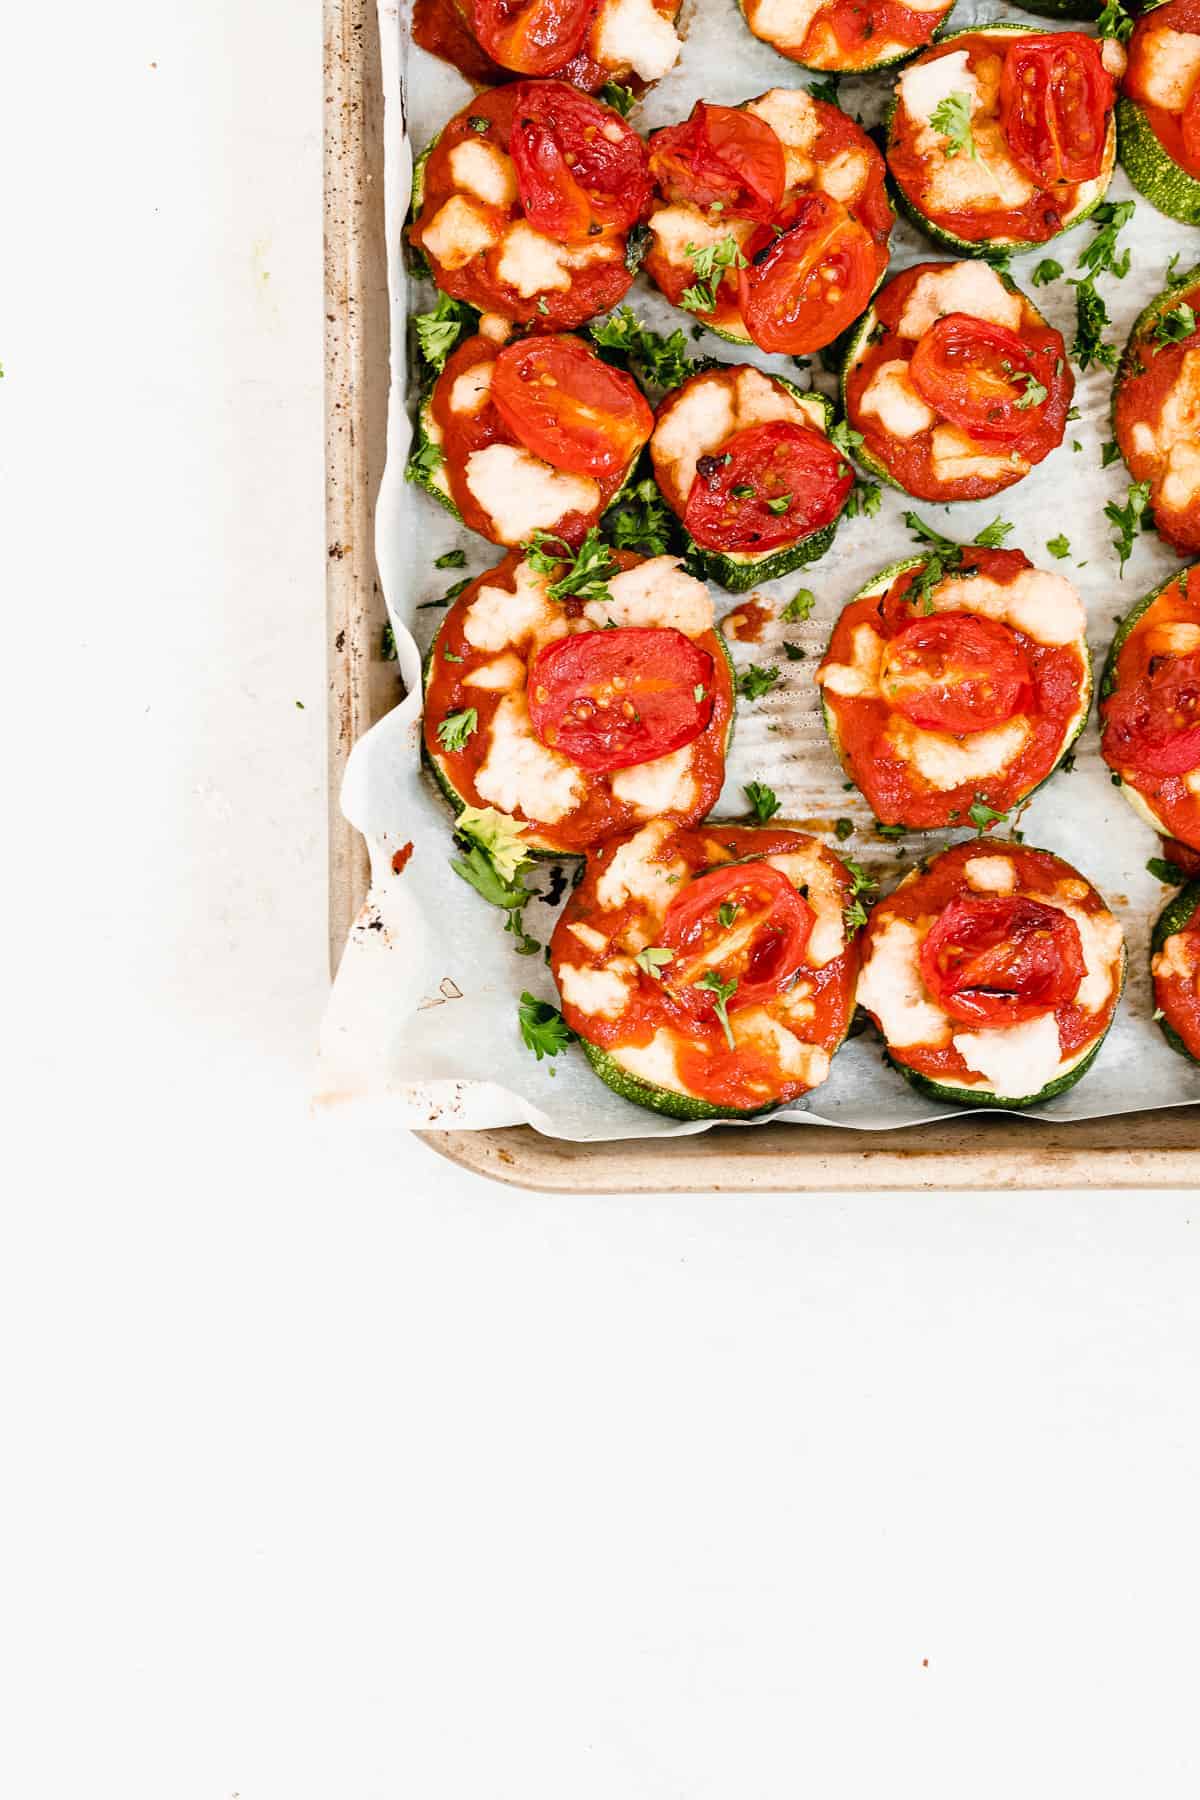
{"x": 1180, "y": 415}
{"x": 859, "y": 678}
{"x": 1042, "y": 604}
{"x": 589, "y": 937}
{"x": 946, "y": 762}
{"x": 664, "y": 785}
{"x": 533, "y": 263}
{"x": 754, "y": 1028}
{"x": 601, "y": 993}
{"x": 791, "y": 114}
{"x": 1102, "y": 940}
{"x": 844, "y": 176}
{"x": 807, "y": 868}
{"x": 957, "y": 457}
{"x": 891, "y": 398}
{"x": 924, "y": 85}
{"x": 675, "y": 227}
{"x": 1181, "y": 479}
{"x": 796, "y": 1004}
{"x": 1168, "y": 68}
{"x": 520, "y": 773}
{"x": 760, "y": 401}
{"x": 891, "y": 987}
{"x": 656, "y": 592}
{"x": 503, "y": 672}
{"x": 990, "y": 874}
{"x": 783, "y": 22}
{"x": 966, "y": 287}
{"x": 698, "y": 423}
{"x": 522, "y": 494}
{"x": 634, "y": 870}
{"x": 485, "y": 171}
{"x": 653, "y": 1062}
{"x": 990, "y": 179}
{"x": 1175, "y": 638}
{"x": 500, "y": 620}
{"x": 1176, "y": 961}
{"x": 634, "y": 34}
{"x": 471, "y": 390}
{"x": 460, "y": 231}
{"x": 1144, "y": 441}
{"x": 1015, "y": 1060}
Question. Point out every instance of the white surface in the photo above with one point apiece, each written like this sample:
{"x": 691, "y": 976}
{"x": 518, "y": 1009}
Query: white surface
{"x": 328, "y": 1472}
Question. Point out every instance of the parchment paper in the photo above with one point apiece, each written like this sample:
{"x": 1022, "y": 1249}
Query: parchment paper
{"x": 422, "y": 1023}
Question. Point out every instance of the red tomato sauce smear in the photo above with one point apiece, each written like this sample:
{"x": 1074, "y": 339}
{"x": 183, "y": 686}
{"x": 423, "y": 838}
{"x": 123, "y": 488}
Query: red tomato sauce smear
{"x": 600, "y": 815}
{"x": 1176, "y": 971}
{"x": 581, "y": 180}
{"x": 1150, "y": 723}
{"x": 1044, "y": 961}
{"x": 1149, "y": 378}
{"x": 616, "y": 414}
{"x": 1177, "y": 131}
{"x": 543, "y": 37}
{"x": 1054, "y": 100}
{"x": 768, "y": 970}
{"x": 846, "y": 34}
{"x": 969, "y": 679}
{"x": 1031, "y": 431}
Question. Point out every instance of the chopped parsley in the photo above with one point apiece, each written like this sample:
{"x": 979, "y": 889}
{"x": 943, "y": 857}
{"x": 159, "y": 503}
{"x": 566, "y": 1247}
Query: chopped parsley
{"x": 427, "y": 457}
{"x": 763, "y": 800}
{"x": 1173, "y": 326}
{"x": 779, "y": 504}
{"x": 952, "y": 117}
{"x": 637, "y": 242}
{"x": 843, "y": 437}
{"x": 543, "y": 1028}
{"x": 842, "y": 829}
{"x": 660, "y": 361}
{"x": 622, "y": 99}
{"x": 754, "y": 682}
{"x": 589, "y": 570}
{"x": 992, "y": 536}
{"x": 1115, "y": 22}
{"x": 799, "y": 607}
{"x": 477, "y": 122}
{"x": 654, "y": 959}
{"x": 451, "y": 559}
{"x": 1109, "y": 453}
{"x": 826, "y": 91}
{"x": 438, "y": 332}
{"x": 864, "y": 497}
{"x": 982, "y": 815}
{"x": 1128, "y": 519}
{"x": 1059, "y": 546}
{"x": 1101, "y": 256}
{"x": 456, "y": 728}
{"x": 1035, "y": 391}
{"x": 724, "y": 991}
{"x": 727, "y": 912}
{"x": 639, "y": 521}
{"x": 709, "y": 262}
{"x": 854, "y": 915}
{"x": 1047, "y": 271}
{"x": 451, "y": 593}
{"x": 793, "y": 652}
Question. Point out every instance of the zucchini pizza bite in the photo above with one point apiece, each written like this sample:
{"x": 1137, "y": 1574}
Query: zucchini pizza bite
{"x": 536, "y": 435}
{"x": 773, "y": 220}
{"x": 1156, "y": 410}
{"x": 993, "y": 972}
{"x": 585, "y": 42}
{"x": 708, "y": 973}
{"x": 744, "y": 460}
{"x": 1150, "y": 709}
{"x": 956, "y": 383}
{"x": 1158, "y": 113}
{"x": 849, "y": 36}
{"x": 970, "y": 690}
{"x": 1001, "y": 137}
{"x": 580, "y": 715}
{"x": 1175, "y": 969}
{"x": 523, "y": 203}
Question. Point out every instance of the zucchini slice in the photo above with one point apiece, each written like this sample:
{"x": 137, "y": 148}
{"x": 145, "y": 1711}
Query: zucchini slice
{"x": 1173, "y": 917}
{"x": 831, "y": 67}
{"x": 1139, "y": 801}
{"x": 1155, "y": 175}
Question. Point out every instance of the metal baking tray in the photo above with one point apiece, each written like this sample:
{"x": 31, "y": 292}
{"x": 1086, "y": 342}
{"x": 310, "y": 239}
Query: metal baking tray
{"x": 1157, "y": 1149}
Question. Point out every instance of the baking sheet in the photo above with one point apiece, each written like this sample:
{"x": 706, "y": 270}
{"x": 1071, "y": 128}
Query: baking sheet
{"x": 422, "y": 1021}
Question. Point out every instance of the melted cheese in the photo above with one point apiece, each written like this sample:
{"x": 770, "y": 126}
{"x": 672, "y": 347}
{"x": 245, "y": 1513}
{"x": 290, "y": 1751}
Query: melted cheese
{"x": 890, "y": 987}
{"x": 675, "y": 227}
{"x": 783, "y": 22}
{"x": 754, "y": 1028}
{"x": 1102, "y": 940}
{"x": 590, "y": 939}
{"x": 656, "y": 592}
{"x": 791, "y": 114}
{"x": 1181, "y": 479}
{"x": 1039, "y": 602}
{"x": 1176, "y": 961}
{"x": 845, "y": 176}
{"x": 966, "y": 287}
{"x": 522, "y": 494}
{"x": 653, "y": 1062}
{"x": 1015, "y": 1060}
{"x": 461, "y": 231}
{"x": 601, "y": 993}
{"x": 664, "y": 785}
{"x": 947, "y": 762}
{"x": 808, "y": 868}
{"x": 1167, "y": 68}
{"x": 471, "y": 390}
{"x": 891, "y": 397}
{"x": 1174, "y": 638}
{"x": 504, "y": 672}
{"x": 485, "y": 171}
{"x": 500, "y": 620}
{"x": 633, "y": 873}
{"x": 858, "y": 679}
{"x": 957, "y": 457}
{"x": 634, "y": 34}
{"x": 991, "y": 874}
{"x": 924, "y": 85}
{"x": 534, "y": 264}
{"x": 990, "y": 180}
{"x": 520, "y": 773}
{"x": 710, "y": 410}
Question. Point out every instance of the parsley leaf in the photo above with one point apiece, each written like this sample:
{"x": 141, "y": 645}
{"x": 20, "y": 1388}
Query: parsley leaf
{"x": 952, "y": 117}
{"x": 799, "y": 607}
{"x": 1109, "y": 453}
{"x": 826, "y": 91}
{"x": 1101, "y": 257}
{"x": 727, "y": 912}
{"x": 943, "y": 545}
{"x": 661, "y": 361}
{"x": 842, "y": 829}
{"x": 639, "y": 521}
{"x": 982, "y": 815}
{"x": 992, "y": 536}
{"x": 864, "y": 497}
{"x": 1091, "y": 321}
{"x": 763, "y": 800}
{"x": 754, "y": 682}
{"x": 779, "y": 504}
{"x": 724, "y": 991}
{"x": 793, "y": 652}
{"x": 438, "y": 331}
{"x": 637, "y": 242}
{"x": 543, "y": 1028}
{"x": 451, "y": 559}
{"x": 1047, "y": 271}
{"x": 710, "y": 261}
{"x": 654, "y": 959}
{"x": 620, "y": 98}
{"x": 498, "y": 835}
{"x": 1034, "y": 393}
{"x": 456, "y": 728}
{"x": 589, "y": 568}
{"x": 1059, "y": 546}
{"x": 1128, "y": 519}
{"x": 1115, "y": 22}
{"x": 854, "y": 915}
{"x": 843, "y": 437}
{"x": 427, "y": 457}
{"x": 1173, "y": 326}
{"x": 1169, "y": 873}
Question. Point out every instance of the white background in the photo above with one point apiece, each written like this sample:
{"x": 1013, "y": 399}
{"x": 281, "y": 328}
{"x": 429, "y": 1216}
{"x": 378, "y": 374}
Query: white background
{"x": 328, "y": 1471}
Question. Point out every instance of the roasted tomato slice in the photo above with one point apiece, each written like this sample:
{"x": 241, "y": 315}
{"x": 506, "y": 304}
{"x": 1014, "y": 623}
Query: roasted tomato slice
{"x": 981, "y": 377}
{"x": 1154, "y": 724}
{"x": 580, "y": 167}
{"x": 769, "y": 485}
{"x": 999, "y": 961}
{"x": 805, "y": 287}
{"x": 1056, "y": 97}
{"x": 721, "y": 155}
{"x": 570, "y": 408}
{"x": 955, "y": 672}
{"x": 743, "y": 922}
{"x": 534, "y": 39}
{"x": 608, "y": 699}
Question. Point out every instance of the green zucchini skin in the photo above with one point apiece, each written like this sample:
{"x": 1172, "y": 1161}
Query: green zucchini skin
{"x": 870, "y": 68}
{"x": 955, "y": 1096}
{"x": 1140, "y": 330}
{"x": 1156, "y": 175}
{"x": 1063, "y": 9}
{"x": 1173, "y": 917}
{"x": 659, "y": 1099}
{"x": 993, "y": 248}
{"x": 1108, "y": 679}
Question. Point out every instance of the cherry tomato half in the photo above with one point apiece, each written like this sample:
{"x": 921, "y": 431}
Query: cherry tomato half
{"x": 570, "y": 408}
{"x": 805, "y": 287}
{"x": 981, "y": 377}
{"x": 1056, "y": 98}
{"x": 998, "y": 961}
{"x": 580, "y": 167}
{"x": 608, "y": 699}
{"x": 742, "y": 922}
{"x": 1154, "y": 724}
{"x": 721, "y": 154}
{"x": 534, "y": 39}
{"x": 769, "y": 485}
{"x": 955, "y": 672}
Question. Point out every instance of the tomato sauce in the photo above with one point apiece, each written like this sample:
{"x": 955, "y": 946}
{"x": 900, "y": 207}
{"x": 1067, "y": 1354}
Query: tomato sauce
{"x": 909, "y": 461}
{"x": 747, "y": 621}
{"x": 444, "y": 29}
{"x": 465, "y": 432}
{"x": 1038, "y": 874}
{"x": 847, "y": 34}
{"x": 1047, "y": 209}
{"x": 1140, "y": 657}
{"x": 1177, "y": 982}
{"x": 601, "y": 815}
{"x": 745, "y": 1078}
{"x": 1168, "y": 127}
{"x": 1148, "y": 379}
{"x": 872, "y": 210}
{"x": 594, "y": 288}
